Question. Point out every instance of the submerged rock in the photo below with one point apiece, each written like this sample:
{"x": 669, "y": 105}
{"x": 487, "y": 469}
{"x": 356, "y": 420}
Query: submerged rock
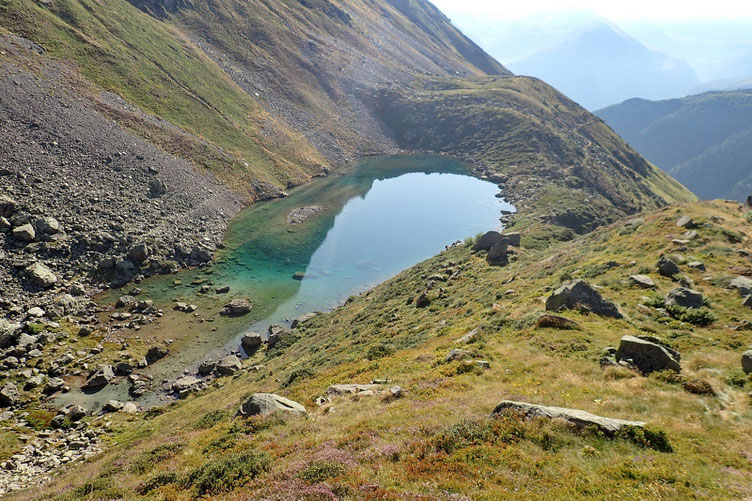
{"x": 237, "y": 308}
{"x": 100, "y": 378}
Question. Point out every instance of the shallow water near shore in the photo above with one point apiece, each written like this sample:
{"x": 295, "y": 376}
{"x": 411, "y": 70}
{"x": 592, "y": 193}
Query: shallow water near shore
{"x": 372, "y": 220}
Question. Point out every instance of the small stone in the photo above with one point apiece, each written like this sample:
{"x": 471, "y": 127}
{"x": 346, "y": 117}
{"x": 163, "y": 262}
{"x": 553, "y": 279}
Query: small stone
{"x": 41, "y": 275}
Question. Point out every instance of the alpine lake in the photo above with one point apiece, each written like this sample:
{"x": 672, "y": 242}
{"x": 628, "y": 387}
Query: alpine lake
{"x": 332, "y": 238}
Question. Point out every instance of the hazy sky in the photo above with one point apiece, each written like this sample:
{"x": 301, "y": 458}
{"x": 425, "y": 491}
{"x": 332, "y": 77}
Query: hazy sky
{"x": 613, "y": 9}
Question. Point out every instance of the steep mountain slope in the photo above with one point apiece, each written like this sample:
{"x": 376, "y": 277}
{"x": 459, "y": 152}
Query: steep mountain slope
{"x": 600, "y": 65}
{"x": 703, "y": 141}
{"x": 434, "y": 439}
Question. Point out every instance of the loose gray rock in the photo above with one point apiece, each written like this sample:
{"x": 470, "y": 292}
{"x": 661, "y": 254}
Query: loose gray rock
{"x": 687, "y": 298}
{"x": 696, "y": 265}
{"x": 267, "y": 403}
{"x": 138, "y": 253}
{"x": 743, "y": 285}
{"x": 9, "y": 395}
{"x": 237, "y": 308}
{"x": 578, "y": 294}
{"x": 7, "y": 206}
{"x": 488, "y": 240}
{"x": 686, "y": 222}
{"x": 747, "y": 361}
{"x": 41, "y": 275}
{"x": 577, "y": 417}
{"x": 9, "y": 332}
{"x": 48, "y": 225}
{"x": 642, "y": 281}
{"x": 646, "y": 355}
{"x": 229, "y": 365}
{"x": 667, "y": 267}
{"x": 156, "y": 353}
{"x": 251, "y": 340}
{"x": 207, "y": 367}
{"x": 24, "y": 233}
{"x": 100, "y": 378}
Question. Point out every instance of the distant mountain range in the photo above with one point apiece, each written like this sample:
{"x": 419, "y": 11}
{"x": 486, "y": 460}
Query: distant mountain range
{"x": 704, "y": 141}
{"x": 600, "y": 64}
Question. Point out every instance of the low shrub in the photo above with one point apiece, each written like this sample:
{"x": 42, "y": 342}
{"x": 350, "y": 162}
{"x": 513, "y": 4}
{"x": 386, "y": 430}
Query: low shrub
{"x": 147, "y": 460}
{"x": 158, "y": 480}
{"x": 211, "y": 418}
{"x": 297, "y": 375}
{"x": 322, "y": 470}
{"x": 227, "y": 472}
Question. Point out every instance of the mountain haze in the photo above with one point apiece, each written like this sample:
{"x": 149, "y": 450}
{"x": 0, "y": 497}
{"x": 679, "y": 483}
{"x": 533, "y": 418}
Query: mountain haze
{"x": 704, "y": 141}
{"x": 600, "y": 65}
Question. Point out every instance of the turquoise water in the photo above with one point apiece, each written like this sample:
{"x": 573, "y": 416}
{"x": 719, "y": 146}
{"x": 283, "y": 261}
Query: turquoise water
{"x": 379, "y": 216}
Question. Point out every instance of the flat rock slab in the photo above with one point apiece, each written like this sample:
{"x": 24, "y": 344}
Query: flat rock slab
{"x": 267, "y": 403}
{"x": 576, "y": 417}
{"x": 351, "y": 389}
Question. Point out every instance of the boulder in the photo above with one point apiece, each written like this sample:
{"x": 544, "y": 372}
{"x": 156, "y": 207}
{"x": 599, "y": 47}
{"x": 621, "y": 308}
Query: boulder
{"x": 686, "y": 222}
{"x": 157, "y": 188}
{"x": 9, "y": 332}
{"x": 747, "y": 361}
{"x": 41, "y": 275}
{"x": 251, "y": 340}
{"x": 469, "y": 337}
{"x": 112, "y": 406}
{"x": 9, "y": 395}
{"x": 237, "y": 308}
{"x": 422, "y": 300}
{"x": 277, "y": 333}
{"x": 743, "y": 285}
{"x": 184, "y": 385}
{"x": 7, "y": 206}
{"x": 53, "y": 385}
{"x": 498, "y": 253}
{"x": 100, "y": 378}
{"x": 48, "y": 225}
{"x": 488, "y": 240}
{"x": 696, "y": 265}
{"x": 229, "y": 365}
{"x": 579, "y": 418}
{"x": 687, "y": 298}
{"x": 267, "y": 403}
{"x": 207, "y": 367}
{"x": 138, "y": 253}
{"x": 642, "y": 281}
{"x": 579, "y": 294}
{"x": 647, "y": 356}
{"x": 747, "y": 301}
{"x": 667, "y": 267}
{"x": 556, "y": 322}
{"x": 124, "y": 301}
{"x": 24, "y": 233}
{"x": 156, "y": 353}
{"x": 515, "y": 238}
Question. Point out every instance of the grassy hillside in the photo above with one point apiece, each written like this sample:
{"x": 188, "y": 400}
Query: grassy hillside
{"x": 700, "y": 140}
{"x": 437, "y": 441}
{"x": 560, "y": 162}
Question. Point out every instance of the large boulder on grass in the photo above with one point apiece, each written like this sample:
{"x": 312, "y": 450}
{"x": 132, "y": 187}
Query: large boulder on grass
{"x": 684, "y": 297}
{"x": 743, "y": 285}
{"x": 579, "y": 418}
{"x": 267, "y": 403}
{"x": 488, "y": 240}
{"x": 647, "y": 356}
{"x": 579, "y": 295}
{"x": 747, "y": 361}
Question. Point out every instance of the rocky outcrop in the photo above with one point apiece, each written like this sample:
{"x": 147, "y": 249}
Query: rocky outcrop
{"x": 268, "y": 403}
{"x": 487, "y": 240}
{"x": 579, "y": 418}
{"x": 580, "y": 295}
{"x": 667, "y": 267}
{"x": 647, "y": 356}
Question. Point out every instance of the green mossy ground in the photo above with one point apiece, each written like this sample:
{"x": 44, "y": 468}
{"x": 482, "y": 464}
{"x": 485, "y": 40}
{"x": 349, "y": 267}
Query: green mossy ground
{"x": 438, "y": 440}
